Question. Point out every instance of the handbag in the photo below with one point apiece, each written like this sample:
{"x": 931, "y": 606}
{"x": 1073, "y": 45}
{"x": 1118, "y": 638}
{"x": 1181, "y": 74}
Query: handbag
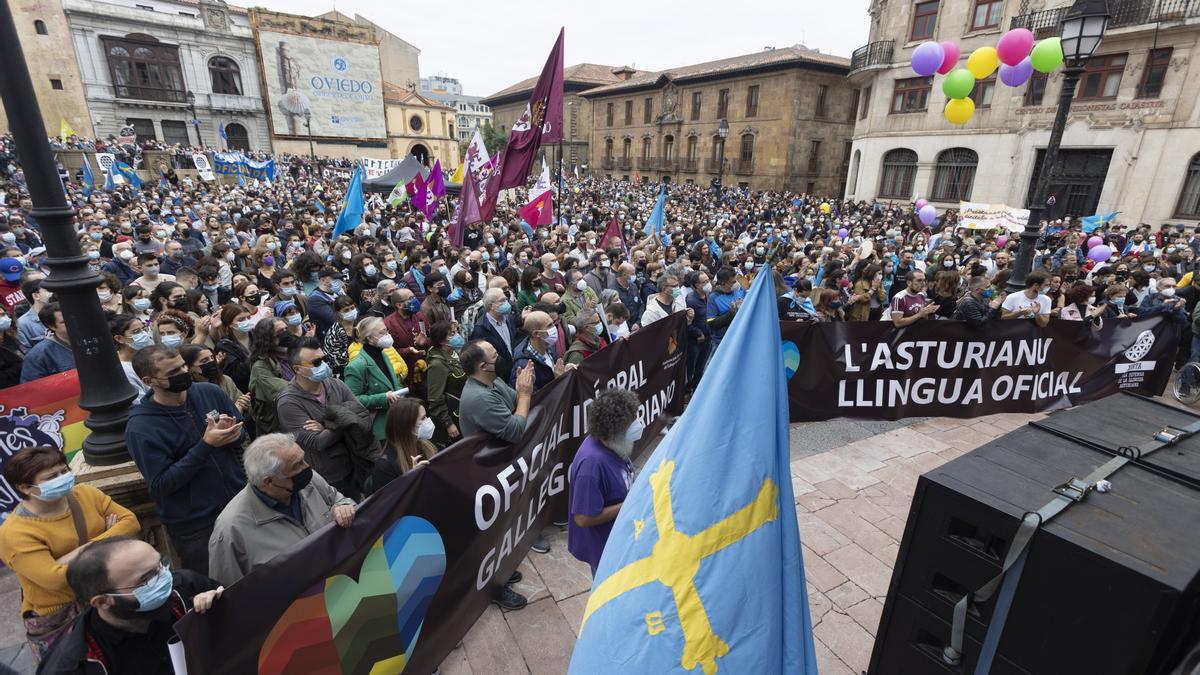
{"x": 42, "y": 632}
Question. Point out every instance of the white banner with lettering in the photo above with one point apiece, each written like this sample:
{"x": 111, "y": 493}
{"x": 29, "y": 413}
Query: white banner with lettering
{"x": 978, "y": 216}
{"x": 375, "y": 168}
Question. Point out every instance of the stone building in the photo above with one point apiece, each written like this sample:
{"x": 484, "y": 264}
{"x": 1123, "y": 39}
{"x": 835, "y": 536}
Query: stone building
{"x": 1131, "y": 140}
{"x": 420, "y": 126}
{"x": 156, "y": 65}
{"x": 509, "y": 103}
{"x": 398, "y": 59}
{"x": 46, "y": 42}
{"x": 472, "y": 114}
{"x": 789, "y": 112}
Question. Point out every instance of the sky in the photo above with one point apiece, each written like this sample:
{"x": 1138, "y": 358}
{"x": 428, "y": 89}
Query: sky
{"x": 490, "y": 45}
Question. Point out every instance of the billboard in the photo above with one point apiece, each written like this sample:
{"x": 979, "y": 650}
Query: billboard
{"x": 338, "y": 82}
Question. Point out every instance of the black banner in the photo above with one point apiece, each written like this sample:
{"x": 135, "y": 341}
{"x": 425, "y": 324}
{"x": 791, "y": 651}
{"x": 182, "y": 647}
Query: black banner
{"x": 400, "y": 588}
{"x": 872, "y": 370}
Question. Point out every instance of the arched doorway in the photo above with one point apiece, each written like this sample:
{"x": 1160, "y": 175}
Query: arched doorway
{"x": 239, "y": 139}
{"x": 421, "y": 153}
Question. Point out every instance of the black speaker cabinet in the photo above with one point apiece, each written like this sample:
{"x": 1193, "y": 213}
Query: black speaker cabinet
{"x": 1110, "y": 585}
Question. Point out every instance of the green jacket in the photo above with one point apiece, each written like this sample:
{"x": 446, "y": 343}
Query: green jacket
{"x": 444, "y": 380}
{"x": 371, "y": 385}
{"x": 266, "y": 384}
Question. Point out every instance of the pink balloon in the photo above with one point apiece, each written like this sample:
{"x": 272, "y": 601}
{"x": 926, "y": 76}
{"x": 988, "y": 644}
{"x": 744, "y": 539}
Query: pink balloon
{"x": 1002, "y": 240}
{"x": 1014, "y": 46}
{"x": 927, "y": 58}
{"x": 928, "y": 214}
{"x": 1100, "y": 253}
{"x": 950, "y": 60}
{"x": 843, "y": 233}
{"x": 920, "y": 203}
{"x": 1094, "y": 242}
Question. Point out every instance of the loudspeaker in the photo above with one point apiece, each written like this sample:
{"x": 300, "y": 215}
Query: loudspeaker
{"x": 1110, "y": 585}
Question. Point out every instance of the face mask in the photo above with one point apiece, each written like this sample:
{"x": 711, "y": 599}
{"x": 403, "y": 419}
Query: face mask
{"x": 104, "y": 296}
{"x": 988, "y": 293}
{"x": 457, "y": 342}
{"x": 385, "y": 342}
{"x": 444, "y": 271}
{"x": 230, "y": 256}
{"x": 161, "y": 234}
{"x": 209, "y": 369}
{"x": 1150, "y": 268}
{"x": 244, "y": 326}
{"x": 154, "y": 593}
{"x": 346, "y": 255}
{"x": 301, "y": 480}
{"x": 749, "y": 265}
{"x": 1119, "y": 302}
{"x": 320, "y": 373}
{"x": 605, "y": 264}
{"x": 288, "y": 292}
{"x": 180, "y": 303}
{"x": 56, "y": 488}
{"x": 337, "y": 287}
{"x": 391, "y": 265}
{"x": 491, "y": 241}
{"x": 172, "y": 341}
{"x": 141, "y": 304}
{"x": 412, "y": 306}
{"x": 294, "y": 320}
{"x": 370, "y": 270}
{"x": 125, "y": 255}
{"x": 268, "y": 260}
{"x": 425, "y": 429}
{"x": 505, "y": 308}
{"x": 598, "y": 328}
{"x": 634, "y": 432}
{"x": 552, "y": 338}
{"x": 253, "y": 300}
{"x": 5, "y": 323}
{"x": 179, "y": 382}
{"x": 350, "y": 315}
{"x": 271, "y": 245}
{"x": 581, "y": 286}
{"x": 97, "y": 236}
{"x": 1167, "y": 292}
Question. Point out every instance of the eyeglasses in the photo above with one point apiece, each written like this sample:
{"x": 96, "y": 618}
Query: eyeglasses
{"x": 164, "y": 563}
{"x": 315, "y": 363}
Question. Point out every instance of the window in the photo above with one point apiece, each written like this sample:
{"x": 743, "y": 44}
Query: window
{"x": 55, "y": 83}
{"x": 627, "y": 148}
{"x": 628, "y": 113}
{"x": 987, "y": 14}
{"x": 854, "y": 96}
{"x": 722, "y": 104}
{"x": 866, "y": 103}
{"x": 718, "y": 149}
{"x": 1035, "y": 91}
{"x": 142, "y": 128}
{"x": 924, "y": 20}
{"x": 669, "y": 148}
{"x": 39, "y": 27}
{"x": 608, "y": 115}
{"x": 647, "y": 149}
{"x": 175, "y": 132}
{"x": 1155, "y": 72}
{"x": 822, "y": 93}
{"x": 692, "y": 148}
{"x": 1189, "y": 198}
{"x": 746, "y": 157}
{"x": 810, "y": 188}
{"x": 226, "y": 78}
{"x": 983, "y": 92}
{"x": 899, "y": 171}
{"x": 814, "y": 156}
{"x": 752, "y": 101}
{"x": 142, "y": 68}
{"x": 696, "y": 99}
{"x": 847, "y": 147}
{"x": 647, "y": 110}
{"x": 415, "y": 123}
{"x": 608, "y": 148}
{"x": 954, "y": 174}
{"x": 1102, "y": 78}
{"x": 911, "y": 95}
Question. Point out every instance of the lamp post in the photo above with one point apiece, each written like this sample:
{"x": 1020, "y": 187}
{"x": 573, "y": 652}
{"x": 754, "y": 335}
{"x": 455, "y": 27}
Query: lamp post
{"x": 723, "y": 132}
{"x": 312, "y": 156}
{"x": 191, "y": 99}
{"x": 1082, "y": 30}
{"x": 103, "y": 389}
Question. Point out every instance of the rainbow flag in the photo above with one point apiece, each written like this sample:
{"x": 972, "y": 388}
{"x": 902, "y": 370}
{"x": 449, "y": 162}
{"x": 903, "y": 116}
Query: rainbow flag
{"x": 42, "y": 412}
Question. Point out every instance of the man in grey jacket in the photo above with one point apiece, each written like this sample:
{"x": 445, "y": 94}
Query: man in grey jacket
{"x": 283, "y": 502}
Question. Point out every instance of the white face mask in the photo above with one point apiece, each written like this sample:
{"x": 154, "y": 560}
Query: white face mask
{"x": 425, "y": 429}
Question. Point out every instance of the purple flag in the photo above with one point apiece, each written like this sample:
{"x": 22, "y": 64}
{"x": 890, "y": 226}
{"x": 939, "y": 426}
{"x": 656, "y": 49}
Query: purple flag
{"x": 420, "y": 195}
{"x": 437, "y": 184}
{"x": 468, "y": 210}
{"x": 541, "y": 121}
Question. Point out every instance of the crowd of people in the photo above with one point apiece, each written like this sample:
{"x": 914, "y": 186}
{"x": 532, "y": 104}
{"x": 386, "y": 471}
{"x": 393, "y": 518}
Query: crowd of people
{"x": 284, "y": 374}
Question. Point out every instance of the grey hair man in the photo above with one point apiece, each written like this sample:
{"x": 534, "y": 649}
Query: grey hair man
{"x": 283, "y": 502}
{"x": 383, "y": 308}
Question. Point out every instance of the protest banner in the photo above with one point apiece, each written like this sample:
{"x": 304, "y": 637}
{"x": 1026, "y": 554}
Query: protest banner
{"x": 235, "y": 163}
{"x": 872, "y": 370}
{"x": 977, "y": 216}
{"x": 399, "y": 589}
{"x": 378, "y": 167}
{"x": 335, "y": 172}
{"x": 203, "y": 167}
{"x": 42, "y": 412}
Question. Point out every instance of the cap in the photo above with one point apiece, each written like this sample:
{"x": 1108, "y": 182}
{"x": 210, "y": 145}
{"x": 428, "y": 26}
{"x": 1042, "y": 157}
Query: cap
{"x": 283, "y": 306}
{"x": 11, "y": 268}
{"x": 36, "y": 251}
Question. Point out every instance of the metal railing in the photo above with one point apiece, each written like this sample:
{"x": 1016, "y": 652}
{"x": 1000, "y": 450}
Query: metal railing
{"x": 691, "y": 165}
{"x": 743, "y": 166}
{"x": 150, "y": 93}
{"x": 647, "y": 162}
{"x": 712, "y": 165}
{"x": 669, "y": 164}
{"x": 873, "y": 54}
{"x": 625, "y": 163}
{"x": 609, "y": 162}
{"x": 1047, "y": 22}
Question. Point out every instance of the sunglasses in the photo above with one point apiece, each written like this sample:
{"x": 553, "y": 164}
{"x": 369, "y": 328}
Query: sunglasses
{"x": 315, "y": 363}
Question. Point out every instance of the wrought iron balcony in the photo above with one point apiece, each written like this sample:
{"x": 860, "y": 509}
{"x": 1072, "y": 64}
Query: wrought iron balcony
{"x": 609, "y": 162}
{"x": 1047, "y": 22}
{"x": 712, "y": 165}
{"x": 625, "y": 163}
{"x": 874, "y": 54}
{"x": 743, "y": 166}
{"x": 691, "y": 165}
{"x": 669, "y": 164}
{"x": 647, "y": 162}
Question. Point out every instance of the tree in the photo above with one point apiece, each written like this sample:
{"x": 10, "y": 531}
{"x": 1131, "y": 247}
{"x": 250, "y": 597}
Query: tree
{"x": 495, "y": 139}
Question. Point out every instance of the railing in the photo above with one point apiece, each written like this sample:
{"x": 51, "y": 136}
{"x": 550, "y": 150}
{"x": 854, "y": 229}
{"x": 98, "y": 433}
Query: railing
{"x": 691, "y": 165}
{"x": 647, "y": 162}
{"x": 150, "y": 93}
{"x": 873, "y": 54}
{"x": 742, "y": 166}
{"x": 669, "y": 164}
{"x": 712, "y": 165}
{"x": 1047, "y": 22}
{"x": 609, "y": 163}
{"x": 625, "y": 163}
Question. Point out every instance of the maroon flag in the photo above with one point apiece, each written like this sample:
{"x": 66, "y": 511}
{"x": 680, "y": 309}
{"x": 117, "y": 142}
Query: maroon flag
{"x": 468, "y": 210}
{"x": 612, "y": 236}
{"x": 539, "y": 211}
{"x": 541, "y": 122}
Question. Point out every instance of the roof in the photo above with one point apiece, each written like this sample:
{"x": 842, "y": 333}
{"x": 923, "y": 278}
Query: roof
{"x": 394, "y": 93}
{"x": 767, "y": 59}
{"x": 593, "y": 74}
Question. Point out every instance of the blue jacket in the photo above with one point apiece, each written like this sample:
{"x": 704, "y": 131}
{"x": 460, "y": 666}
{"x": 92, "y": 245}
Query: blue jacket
{"x": 720, "y": 304}
{"x": 189, "y": 480}
{"x": 542, "y": 373}
{"x": 320, "y": 310}
{"x": 46, "y": 358}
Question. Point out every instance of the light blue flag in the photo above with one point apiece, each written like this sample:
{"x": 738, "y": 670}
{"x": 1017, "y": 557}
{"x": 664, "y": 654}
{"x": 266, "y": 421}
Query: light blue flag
{"x": 352, "y": 211}
{"x": 109, "y": 183}
{"x": 1090, "y": 223}
{"x": 221, "y": 131}
{"x": 318, "y": 205}
{"x": 655, "y": 222}
{"x": 703, "y": 571}
{"x": 89, "y": 179}
{"x": 128, "y": 174}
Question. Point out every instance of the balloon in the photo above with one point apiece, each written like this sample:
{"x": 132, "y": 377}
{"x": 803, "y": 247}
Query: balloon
{"x": 951, "y": 59}
{"x": 824, "y": 207}
{"x": 1002, "y": 241}
{"x": 958, "y": 84}
{"x": 959, "y": 110}
{"x": 927, "y": 58}
{"x": 920, "y": 204}
{"x": 928, "y": 214}
{"x": 1100, "y": 253}
{"x": 1015, "y": 76}
{"x": 982, "y": 62}
{"x": 1014, "y": 46}
{"x": 843, "y": 233}
{"x": 1095, "y": 241}
{"x": 1047, "y": 55}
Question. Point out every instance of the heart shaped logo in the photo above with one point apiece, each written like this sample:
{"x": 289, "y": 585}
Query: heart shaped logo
{"x": 363, "y": 625}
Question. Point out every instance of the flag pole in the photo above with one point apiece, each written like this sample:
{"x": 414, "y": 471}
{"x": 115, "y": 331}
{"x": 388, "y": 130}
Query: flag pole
{"x": 558, "y": 202}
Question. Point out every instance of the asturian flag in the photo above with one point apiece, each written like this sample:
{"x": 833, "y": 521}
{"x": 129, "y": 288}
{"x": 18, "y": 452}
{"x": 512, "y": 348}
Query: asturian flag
{"x": 703, "y": 571}
{"x": 89, "y": 179}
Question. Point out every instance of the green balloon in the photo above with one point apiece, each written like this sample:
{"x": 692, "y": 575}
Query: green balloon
{"x": 1047, "y": 55}
{"x": 958, "y": 84}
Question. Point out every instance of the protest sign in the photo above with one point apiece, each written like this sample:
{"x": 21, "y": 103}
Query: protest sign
{"x": 977, "y": 216}
{"x": 42, "y": 412}
{"x": 203, "y": 167}
{"x": 377, "y": 167}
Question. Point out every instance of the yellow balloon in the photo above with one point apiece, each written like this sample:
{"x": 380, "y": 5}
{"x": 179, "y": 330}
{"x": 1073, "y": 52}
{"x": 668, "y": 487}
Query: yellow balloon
{"x": 983, "y": 62}
{"x": 824, "y": 207}
{"x": 959, "y": 110}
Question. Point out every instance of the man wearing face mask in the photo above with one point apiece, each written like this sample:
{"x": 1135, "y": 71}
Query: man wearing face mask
{"x": 320, "y": 301}
{"x": 30, "y": 329}
{"x": 185, "y": 438}
{"x": 978, "y": 307}
{"x": 577, "y": 296}
{"x": 599, "y": 277}
{"x": 283, "y": 502}
{"x": 132, "y": 601}
{"x": 538, "y": 348}
{"x": 175, "y": 259}
{"x": 152, "y": 275}
{"x": 497, "y": 328}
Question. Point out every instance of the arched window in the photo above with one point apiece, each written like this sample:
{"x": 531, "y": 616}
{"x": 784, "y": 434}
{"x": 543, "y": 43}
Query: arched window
{"x": 238, "y": 138}
{"x": 226, "y": 78}
{"x": 40, "y": 27}
{"x": 899, "y": 172}
{"x": 143, "y": 68}
{"x": 954, "y": 175}
{"x": 627, "y": 149}
{"x": 608, "y": 148}
{"x": 647, "y": 149}
{"x": 1189, "y": 198}
{"x": 669, "y": 148}
{"x": 854, "y": 172}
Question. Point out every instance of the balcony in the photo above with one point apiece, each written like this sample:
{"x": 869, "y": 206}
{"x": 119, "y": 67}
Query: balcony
{"x": 609, "y": 163}
{"x": 150, "y": 93}
{"x": 691, "y": 165}
{"x": 647, "y": 163}
{"x": 625, "y": 163}
{"x": 873, "y": 54}
{"x": 743, "y": 166}
{"x": 669, "y": 164}
{"x": 1046, "y": 23}
{"x": 712, "y": 166}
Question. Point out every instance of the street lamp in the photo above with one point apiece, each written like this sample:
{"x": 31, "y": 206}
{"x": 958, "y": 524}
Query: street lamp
{"x": 191, "y": 99}
{"x": 312, "y": 156}
{"x": 723, "y": 132}
{"x": 1082, "y": 30}
{"x": 103, "y": 389}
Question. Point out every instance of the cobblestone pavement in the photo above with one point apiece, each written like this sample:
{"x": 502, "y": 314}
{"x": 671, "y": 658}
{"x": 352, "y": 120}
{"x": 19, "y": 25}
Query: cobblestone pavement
{"x": 853, "y": 483}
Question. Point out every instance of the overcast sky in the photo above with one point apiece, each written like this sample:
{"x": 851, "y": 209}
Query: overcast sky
{"x": 490, "y": 45}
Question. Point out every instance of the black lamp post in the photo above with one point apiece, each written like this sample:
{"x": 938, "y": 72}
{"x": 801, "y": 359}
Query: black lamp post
{"x": 191, "y": 99}
{"x": 1082, "y": 30}
{"x": 103, "y": 390}
{"x": 723, "y": 132}
{"x": 312, "y": 156}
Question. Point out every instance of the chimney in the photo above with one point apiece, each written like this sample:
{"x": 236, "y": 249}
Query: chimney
{"x": 623, "y": 73}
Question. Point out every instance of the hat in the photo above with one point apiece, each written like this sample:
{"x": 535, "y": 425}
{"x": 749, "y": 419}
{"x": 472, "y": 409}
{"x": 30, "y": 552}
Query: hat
{"x": 283, "y": 306}
{"x": 36, "y": 251}
{"x": 11, "y": 268}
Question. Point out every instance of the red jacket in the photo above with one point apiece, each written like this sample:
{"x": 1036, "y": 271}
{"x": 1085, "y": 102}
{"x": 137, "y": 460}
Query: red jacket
{"x": 11, "y": 296}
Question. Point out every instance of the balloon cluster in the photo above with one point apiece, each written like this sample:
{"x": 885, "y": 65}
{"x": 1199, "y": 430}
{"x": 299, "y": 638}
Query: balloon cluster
{"x": 1015, "y": 55}
{"x": 1097, "y": 250}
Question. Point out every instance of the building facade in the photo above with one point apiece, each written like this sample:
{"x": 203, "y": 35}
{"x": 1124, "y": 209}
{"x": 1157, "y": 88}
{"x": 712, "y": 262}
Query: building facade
{"x": 789, "y": 113}
{"x": 399, "y": 59}
{"x": 1130, "y": 143}
{"x": 49, "y": 53}
{"x": 157, "y": 65}
{"x": 472, "y": 113}
{"x": 420, "y": 127}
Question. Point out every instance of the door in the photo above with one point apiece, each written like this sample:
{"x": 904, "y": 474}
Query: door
{"x": 1077, "y": 184}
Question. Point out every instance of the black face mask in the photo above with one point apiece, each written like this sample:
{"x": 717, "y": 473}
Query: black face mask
{"x": 252, "y": 300}
{"x": 180, "y": 303}
{"x": 210, "y": 369}
{"x": 179, "y": 382}
{"x": 426, "y": 269}
{"x": 444, "y": 291}
{"x": 286, "y": 340}
{"x": 301, "y": 480}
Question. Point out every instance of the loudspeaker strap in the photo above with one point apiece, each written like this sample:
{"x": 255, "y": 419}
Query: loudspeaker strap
{"x": 1068, "y": 493}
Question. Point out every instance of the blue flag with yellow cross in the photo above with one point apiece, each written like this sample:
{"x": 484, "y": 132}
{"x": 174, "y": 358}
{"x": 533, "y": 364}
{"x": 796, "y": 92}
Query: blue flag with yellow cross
{"x": 703, "y": 571}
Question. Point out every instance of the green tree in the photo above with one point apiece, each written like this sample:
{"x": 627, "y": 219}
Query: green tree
{"x": 495, "y": 139}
